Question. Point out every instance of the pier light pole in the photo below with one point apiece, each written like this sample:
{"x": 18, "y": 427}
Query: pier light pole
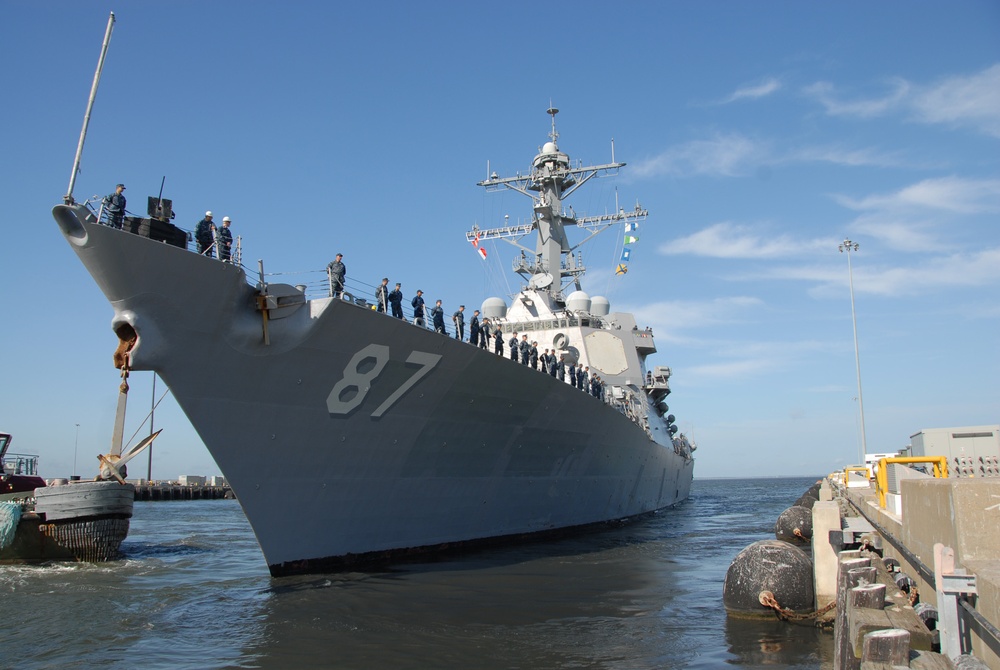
{"x": 849, "y": 246}
{"x": 76, "y": 443}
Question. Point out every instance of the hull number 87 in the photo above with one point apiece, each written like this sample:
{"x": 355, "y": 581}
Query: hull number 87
{"x": 364, "y": 369}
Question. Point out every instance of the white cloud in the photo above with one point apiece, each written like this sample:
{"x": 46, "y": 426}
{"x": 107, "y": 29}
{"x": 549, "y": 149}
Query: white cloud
{"x": 981, "y": 268}
{"x": 755, "y": 91}
{"x": 952, "y": 194}
{"x": 963, "y": 101}
{"x": 726, "y": 155}
{"x": 824, "y": 93}
{"x": 676, "y": 315}
{"x": 729, "y": 240}
{"x": 971, "y": 101}
{"x": 901, "y": 235}
{"x": 735, "y": 155}
{"x": 849, "y": 157}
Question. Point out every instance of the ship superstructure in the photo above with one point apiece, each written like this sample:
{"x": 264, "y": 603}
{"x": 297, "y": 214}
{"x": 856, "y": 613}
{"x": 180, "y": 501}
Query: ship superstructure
{"x": 552, "y": 308}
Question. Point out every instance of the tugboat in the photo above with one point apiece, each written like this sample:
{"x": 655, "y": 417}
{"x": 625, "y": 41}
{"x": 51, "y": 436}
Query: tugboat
{"x": 67, "y": 521}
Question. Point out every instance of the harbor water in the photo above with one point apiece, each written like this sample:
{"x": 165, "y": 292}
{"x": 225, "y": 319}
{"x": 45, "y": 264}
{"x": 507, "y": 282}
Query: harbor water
{"x": 194, "y": 592}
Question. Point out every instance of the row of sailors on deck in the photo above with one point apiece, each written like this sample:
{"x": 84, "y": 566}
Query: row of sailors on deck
{"x": 480, "y": 332}
{"x": 207, "y": 236}
{"x": 579, "y": 375}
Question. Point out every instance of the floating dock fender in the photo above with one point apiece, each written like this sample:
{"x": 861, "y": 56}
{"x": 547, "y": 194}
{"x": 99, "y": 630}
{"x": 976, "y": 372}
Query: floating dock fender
{"x": 806, "y": 501}
{"x": 773, "y": 566}
{"x": 794, "y": 525}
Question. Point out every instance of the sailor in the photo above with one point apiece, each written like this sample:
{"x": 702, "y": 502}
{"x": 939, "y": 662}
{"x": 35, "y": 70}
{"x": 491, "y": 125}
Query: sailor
{"x": 114, "y": 205}
{"x": 552, "y": 363}
{"x": 418, "y": 308}
{"x": 437, "y": 313}
{"x": 498, "y": 341}
{"x": 336, "y": 271}
{"x": 382, "y": 296}
{"x": 513, "y": 344}
{"x": 533, "y": 355}
{"x": 396, "y": 301}
{"x": 561, "y": 368}
{"x": 204, "y": 235}
{"x": 458, "y": 318}
{"x": 484, "y": 334}
{"x": 525, "y": 347}
{"x": 595, "y": 386}
{"x": 225, "y": 241}
{"x": 571, "y": 373}
{"x": 583, "y": 375}
{"x": 474, "y": 329}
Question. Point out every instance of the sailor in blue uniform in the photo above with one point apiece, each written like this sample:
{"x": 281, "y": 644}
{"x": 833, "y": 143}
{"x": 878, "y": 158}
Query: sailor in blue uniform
{"x": 396, "y": 300}
{"x": 458, "y": 318}
{"x": 114, "y": 205}
{"x": 533, "y": 355}
{"x": 225, "y": 241}
{"x": 382, "y": 296}
{"x": 204, "y": 235}
{"x": 336, "y": 271}
{"x": 418, "y": 308}
{"x": 525, "y": 350}
{"x": 437, "y": 313}
{"x": 474, "y": 329}
{"x": 513, "y": 344}
{"x": 484, "y": 334}
{"x": 498, "y": 341}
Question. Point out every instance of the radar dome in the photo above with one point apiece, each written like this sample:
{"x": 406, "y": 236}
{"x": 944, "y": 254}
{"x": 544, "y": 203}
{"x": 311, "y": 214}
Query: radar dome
{"x": 549, "y": 148}
{"x": 578, "y": 301}
{"x": 600, "y": 306}
{"x": 494, "y": 308}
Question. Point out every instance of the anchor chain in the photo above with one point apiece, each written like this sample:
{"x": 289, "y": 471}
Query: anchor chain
{"x": 767, "y": 599}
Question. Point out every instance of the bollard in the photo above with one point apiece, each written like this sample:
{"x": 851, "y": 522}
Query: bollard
{"x": 843, "y": 655}
{"x": 891, "y": 646}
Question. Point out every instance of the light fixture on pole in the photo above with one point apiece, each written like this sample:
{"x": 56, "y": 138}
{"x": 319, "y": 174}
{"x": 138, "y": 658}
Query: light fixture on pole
{"x": 76, "y": 443}
{"x": 849, "y": 246}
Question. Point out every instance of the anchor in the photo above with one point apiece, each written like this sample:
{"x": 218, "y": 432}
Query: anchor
{"x": 112, "y": 464}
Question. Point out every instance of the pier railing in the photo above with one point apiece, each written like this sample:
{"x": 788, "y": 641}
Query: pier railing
{"x": 940, "y": 464}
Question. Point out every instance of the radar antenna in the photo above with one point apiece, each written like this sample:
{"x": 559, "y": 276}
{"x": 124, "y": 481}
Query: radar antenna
{"x": 552, "y": 266}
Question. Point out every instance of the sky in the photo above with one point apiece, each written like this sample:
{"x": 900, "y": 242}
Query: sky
{"x": 758, "y": 135}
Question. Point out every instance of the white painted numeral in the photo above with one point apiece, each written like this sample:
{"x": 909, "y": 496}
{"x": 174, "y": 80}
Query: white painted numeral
{"x": 362, "y": 371}
{"x": 426, "y": 362}
{"x": 356, "y": 379}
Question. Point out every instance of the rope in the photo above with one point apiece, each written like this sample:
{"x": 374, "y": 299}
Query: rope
{"x": 767, "y": 599}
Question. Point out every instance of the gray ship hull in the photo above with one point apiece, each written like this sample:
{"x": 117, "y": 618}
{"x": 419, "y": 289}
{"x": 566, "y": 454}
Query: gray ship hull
{"x": 354, "y": 436}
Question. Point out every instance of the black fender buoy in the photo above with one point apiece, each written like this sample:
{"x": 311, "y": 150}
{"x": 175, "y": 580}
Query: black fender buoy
{"x": 806, "y": 501}
{"x": 794, "y": 525}
{"x": 768, "y": 565}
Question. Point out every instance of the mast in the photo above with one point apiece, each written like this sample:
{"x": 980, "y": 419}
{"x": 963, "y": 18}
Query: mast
{"x": 68, "y": 198}
{"x": 551, "y": 266}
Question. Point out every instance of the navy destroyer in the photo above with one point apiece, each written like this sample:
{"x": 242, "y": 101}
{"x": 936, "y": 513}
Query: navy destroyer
{"x": 393, "y": 439}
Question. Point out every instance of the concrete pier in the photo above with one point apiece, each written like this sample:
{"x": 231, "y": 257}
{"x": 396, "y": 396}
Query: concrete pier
{"x": 939, "y": 556}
